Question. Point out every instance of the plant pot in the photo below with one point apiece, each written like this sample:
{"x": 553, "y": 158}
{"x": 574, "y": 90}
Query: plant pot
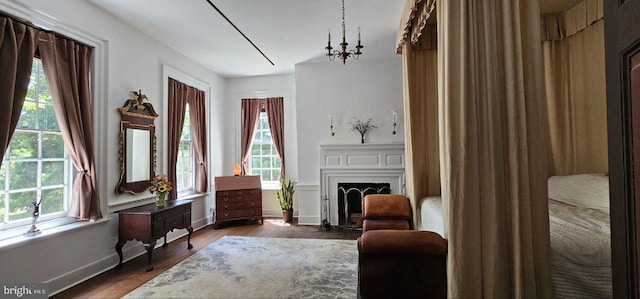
{"x": 287, "y": 216}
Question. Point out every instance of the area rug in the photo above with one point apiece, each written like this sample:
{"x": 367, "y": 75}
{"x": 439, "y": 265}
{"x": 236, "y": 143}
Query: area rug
{"x": 252, "y": 267}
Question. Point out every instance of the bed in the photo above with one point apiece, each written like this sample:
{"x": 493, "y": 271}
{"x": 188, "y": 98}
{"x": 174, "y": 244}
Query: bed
{"x": 579, "y": 230}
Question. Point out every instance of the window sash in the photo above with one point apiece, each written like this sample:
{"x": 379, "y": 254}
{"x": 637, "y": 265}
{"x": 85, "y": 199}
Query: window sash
{"x": 263, "y": 149}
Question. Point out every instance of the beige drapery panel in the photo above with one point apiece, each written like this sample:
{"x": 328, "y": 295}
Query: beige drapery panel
{"x": 576, "y": 100}
{"x": 422, "y": 171}
{"x": 413, "y": 20}
{"x": 67, "y": 66}
{"x": 275, "y": 113}
{"x": 250, "y": 114}
{"x": 493, "y": 149}
{"x": 177, "y": 98}
{"x": 18, "y": 43}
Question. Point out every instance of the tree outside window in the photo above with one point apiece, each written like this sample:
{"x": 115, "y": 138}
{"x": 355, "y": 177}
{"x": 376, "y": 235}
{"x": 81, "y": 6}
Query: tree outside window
{"x": 36, "y": 165}
{"x": 265, "y": 160}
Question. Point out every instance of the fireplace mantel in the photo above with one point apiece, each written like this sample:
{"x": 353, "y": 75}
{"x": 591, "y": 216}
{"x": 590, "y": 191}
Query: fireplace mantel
{"x": 358, "y": 163}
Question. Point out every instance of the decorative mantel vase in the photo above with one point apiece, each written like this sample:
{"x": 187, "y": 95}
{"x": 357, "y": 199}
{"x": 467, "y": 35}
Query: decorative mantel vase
{"x": 160, "y": 199}
{"x": 361, "y": 137}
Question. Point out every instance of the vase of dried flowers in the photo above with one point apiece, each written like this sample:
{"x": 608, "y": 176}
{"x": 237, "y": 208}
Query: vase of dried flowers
{"x": 161, "y": 187}
{"x": 362, "y": 127}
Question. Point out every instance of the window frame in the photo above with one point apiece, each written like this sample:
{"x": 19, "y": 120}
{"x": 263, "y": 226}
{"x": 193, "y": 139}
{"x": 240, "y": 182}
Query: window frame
{"x": 273, "y": 184}
{"x": 192, "y": 162}
{"x": 52, "y": 219}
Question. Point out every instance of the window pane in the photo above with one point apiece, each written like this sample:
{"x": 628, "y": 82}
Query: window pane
{"x": 264, "y": 121}
{"x": 2, "y": 210}
{"x": 52, "y": 173}
{"x": 266, "y": 162}
{"x": 266, "y": 149}
{"x": 266, "y": 175}
{"x": 255, "y": 171}
{"x": 275, "y": 174}
{"x": 18, "y": 204}
{"x": 276, "y": 162}
{"x": 47, "y": 118}
{"x": 2, "y": 179}
{"x": 255, "y": 162}
{"x": 52, "y": 146}
{"x": 52, "y": 201}
{"x": 23, "y": 175}
{"x": 24, "y": 145}
{"x": 267, "y": 137}
{"x": 27, "y": 118}
{"x": 258, "y": 137}
{"x": 255, "y": 149}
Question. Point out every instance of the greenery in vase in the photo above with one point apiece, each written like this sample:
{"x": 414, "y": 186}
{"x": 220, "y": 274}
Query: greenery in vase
{"x": 362, "y": 127}
{"x": 285, "y": 193}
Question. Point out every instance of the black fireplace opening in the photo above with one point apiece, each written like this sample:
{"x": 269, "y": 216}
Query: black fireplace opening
{"x": 350, "y": 197}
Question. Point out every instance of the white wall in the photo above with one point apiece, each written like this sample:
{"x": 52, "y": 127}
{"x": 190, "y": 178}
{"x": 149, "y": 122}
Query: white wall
{"x": 132, "y": 61}
{"x": 363, "y": 89}
{"x": 260, "y": 87}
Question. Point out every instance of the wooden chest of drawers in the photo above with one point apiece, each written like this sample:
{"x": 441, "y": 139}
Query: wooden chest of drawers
{"x": 238, "y": 197}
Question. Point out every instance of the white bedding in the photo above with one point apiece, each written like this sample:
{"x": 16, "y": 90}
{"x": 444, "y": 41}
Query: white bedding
{"x": 580, "y": 247}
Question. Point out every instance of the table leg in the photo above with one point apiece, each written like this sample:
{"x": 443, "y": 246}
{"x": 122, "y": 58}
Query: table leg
{"x": 165, "y": 241}
{"x": 119, "y": 251}
{"x": 149, "y": 247}
{"x": 190, "y": 230}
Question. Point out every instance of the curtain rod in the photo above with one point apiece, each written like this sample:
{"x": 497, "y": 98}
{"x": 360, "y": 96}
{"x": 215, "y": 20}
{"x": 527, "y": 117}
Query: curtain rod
{"x": 30, "y": 24}
{"x": 241, "y": 33}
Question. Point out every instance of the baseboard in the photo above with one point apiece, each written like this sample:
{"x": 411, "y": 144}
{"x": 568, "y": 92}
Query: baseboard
{"x": 308, "y": 220}
{"x": 82, "y": 274}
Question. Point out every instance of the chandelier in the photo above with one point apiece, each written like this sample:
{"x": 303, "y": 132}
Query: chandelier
{"x": 343, "y": 54}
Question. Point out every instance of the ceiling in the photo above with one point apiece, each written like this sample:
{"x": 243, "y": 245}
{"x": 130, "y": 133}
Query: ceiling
{"x": 288, "y": 32}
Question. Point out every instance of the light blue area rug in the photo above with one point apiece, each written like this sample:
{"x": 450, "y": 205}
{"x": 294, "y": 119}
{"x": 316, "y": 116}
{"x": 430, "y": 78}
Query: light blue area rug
{"x": 251, "y": 267}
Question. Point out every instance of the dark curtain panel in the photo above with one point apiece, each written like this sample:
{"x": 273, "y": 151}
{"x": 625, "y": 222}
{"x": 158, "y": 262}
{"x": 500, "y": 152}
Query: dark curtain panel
{"x": 250, "y": 115}
{"x": 17, "y": 47}
{"x": 197, "y": 111}
{"x": 177, "y": 103}
{"x": 67, "y": 67}
{"x": 275, "y": 112}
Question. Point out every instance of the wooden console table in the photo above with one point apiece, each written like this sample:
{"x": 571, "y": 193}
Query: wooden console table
{"x": 238, "y": 197}
{"x": 148, "y": 223}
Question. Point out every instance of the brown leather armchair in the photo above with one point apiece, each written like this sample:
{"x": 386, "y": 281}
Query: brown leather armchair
{"x": 395, "y": 261}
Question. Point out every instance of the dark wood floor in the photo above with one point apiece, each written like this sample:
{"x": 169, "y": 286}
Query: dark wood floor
{"x": 117, "y": 283}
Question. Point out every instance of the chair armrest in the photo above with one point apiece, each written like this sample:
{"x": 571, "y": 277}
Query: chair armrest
{"x": 402, "y": 242}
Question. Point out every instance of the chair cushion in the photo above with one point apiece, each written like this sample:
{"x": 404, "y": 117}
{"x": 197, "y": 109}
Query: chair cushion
{"x": 402, "y": 242}
{"x": 386, "y": 206}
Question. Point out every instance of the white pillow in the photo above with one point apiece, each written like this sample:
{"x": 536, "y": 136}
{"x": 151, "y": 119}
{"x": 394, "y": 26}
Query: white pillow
{"x": 583, "y": 190}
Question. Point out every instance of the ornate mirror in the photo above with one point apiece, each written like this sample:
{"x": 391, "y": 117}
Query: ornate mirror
{"x": 137, "y": 145}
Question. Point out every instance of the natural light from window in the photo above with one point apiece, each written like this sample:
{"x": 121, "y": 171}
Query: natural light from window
{"x": 36, "y": 166}
{"x": 185, "y": 165}
{"x": 265, "y": 160}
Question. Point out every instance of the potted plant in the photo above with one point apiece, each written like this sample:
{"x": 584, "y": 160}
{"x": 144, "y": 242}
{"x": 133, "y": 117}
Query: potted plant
{"x": 285, "y": 197}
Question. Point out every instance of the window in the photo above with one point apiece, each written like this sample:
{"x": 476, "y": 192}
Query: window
{"x": 265, "y": 160}
{"x": 185, "y": 165}
{"x": 36, "y": 165}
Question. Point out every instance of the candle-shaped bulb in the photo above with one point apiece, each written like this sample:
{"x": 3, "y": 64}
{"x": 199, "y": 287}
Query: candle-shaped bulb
{"x": 394, "y": 116}
{"x": 330, "y": 120}
{"x": 358, "y": 34}
{"x": 329, "y": 35}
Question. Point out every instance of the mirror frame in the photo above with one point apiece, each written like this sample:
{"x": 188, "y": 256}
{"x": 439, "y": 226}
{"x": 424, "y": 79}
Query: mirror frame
{"x": 136, "y": 115}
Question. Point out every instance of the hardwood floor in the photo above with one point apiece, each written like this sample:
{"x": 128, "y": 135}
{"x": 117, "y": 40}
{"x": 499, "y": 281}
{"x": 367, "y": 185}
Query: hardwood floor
{"x": 117, "y": 283}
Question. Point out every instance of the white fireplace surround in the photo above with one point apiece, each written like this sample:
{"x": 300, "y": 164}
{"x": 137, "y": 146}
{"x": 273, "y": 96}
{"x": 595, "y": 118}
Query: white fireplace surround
{"x": 358, "y": 163}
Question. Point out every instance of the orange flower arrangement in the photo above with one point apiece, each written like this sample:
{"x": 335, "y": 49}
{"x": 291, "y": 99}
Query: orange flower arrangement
{"x": 161, "y": 185}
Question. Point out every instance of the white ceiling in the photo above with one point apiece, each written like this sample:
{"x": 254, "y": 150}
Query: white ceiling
{"x": 287, "y": 31}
